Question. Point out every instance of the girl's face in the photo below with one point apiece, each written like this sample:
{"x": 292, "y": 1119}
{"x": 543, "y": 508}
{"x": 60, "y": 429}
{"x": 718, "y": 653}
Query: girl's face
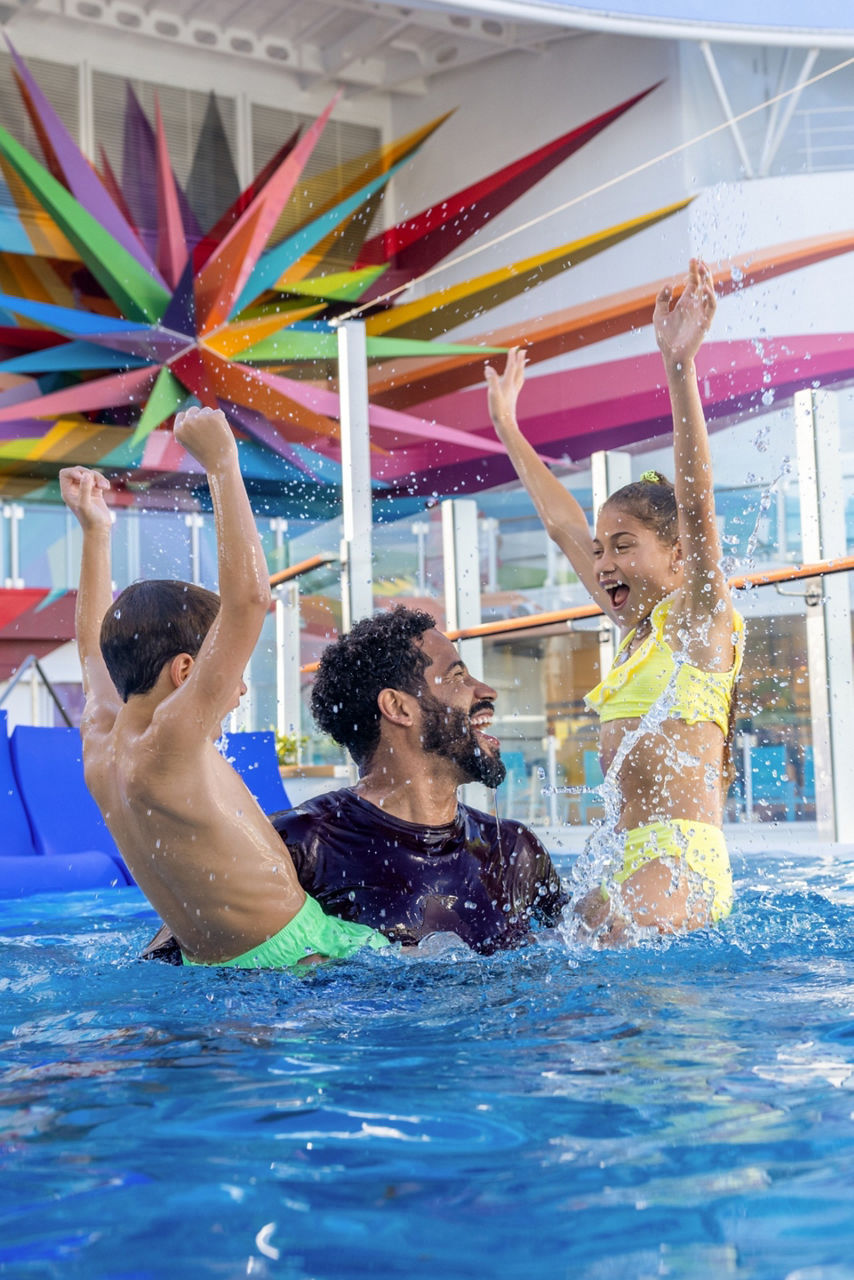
{"x": 633, "y": 565}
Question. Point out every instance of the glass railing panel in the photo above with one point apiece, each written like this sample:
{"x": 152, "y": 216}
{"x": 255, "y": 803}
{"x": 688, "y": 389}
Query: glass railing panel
{"x": 548, "y": 738}
{"x": 772, "y": 749}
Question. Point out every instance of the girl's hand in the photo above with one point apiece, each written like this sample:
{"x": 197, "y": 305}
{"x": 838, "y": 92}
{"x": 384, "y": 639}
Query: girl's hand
{"x": 503, "y": 391}
{"x": 681, "y": 326}
{"x": 83, "y": 493}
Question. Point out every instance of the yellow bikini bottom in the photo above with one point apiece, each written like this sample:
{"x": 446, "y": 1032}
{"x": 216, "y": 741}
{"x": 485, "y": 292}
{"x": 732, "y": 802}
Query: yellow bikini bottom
{"x": 697, "y": 845}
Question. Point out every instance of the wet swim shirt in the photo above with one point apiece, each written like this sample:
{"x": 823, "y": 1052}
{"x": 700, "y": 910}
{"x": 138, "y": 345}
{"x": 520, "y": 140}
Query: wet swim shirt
{"x": 487, "y": 882}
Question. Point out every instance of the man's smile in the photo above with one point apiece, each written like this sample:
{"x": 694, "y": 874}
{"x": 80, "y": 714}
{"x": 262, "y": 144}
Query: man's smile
{"x": 480, "y": 720}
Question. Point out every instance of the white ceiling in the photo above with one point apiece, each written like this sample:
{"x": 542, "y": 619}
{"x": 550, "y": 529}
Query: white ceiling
{"x": 361, "y": 43}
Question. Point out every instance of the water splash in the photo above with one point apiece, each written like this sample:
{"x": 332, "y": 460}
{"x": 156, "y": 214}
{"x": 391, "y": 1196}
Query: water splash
{"x": 768, "y": 492}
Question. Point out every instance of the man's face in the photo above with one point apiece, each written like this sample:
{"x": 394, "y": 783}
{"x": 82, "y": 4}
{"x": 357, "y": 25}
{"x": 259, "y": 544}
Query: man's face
{"x": 456, "y": 710}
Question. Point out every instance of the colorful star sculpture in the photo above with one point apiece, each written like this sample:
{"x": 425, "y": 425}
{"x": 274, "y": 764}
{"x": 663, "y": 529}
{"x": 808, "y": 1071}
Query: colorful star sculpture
{"x": 120, "y": 303}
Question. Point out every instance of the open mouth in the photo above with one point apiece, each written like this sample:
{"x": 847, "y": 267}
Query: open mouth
{"x": 480, "y": 723}
{"x": 619, "y": 594}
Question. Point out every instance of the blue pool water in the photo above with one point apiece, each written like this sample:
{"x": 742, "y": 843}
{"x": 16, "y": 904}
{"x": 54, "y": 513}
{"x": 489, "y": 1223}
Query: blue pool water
{"x": 683, "y": 1109}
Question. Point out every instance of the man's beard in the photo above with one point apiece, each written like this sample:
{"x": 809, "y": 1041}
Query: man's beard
{"x": 447, "y": 731}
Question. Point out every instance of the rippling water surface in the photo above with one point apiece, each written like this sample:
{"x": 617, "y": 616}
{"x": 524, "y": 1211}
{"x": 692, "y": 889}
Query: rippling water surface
{"x": 683, "y": 1109}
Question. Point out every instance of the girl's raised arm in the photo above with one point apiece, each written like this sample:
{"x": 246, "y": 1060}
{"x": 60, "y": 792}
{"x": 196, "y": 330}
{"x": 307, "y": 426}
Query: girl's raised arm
{"x": 562, "y": 516}
{"x": 680, "y": 327}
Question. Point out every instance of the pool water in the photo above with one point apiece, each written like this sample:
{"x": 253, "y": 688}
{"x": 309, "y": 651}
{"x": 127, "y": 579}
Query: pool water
{"x": 683, "y": 1109}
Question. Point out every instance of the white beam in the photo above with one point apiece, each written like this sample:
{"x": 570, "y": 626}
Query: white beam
{"x": 604, "y": 20}
{"x": 288, "y": 692}
{"x": 357, "y": 586}
{"x": 461, "y": 555}
{"x": 723, "y": 97}
{"x": 774, "y": 113}
{"x": 788, "y": 111}
{"x": 609, "y": 471}
{"x": 831, "y": 671}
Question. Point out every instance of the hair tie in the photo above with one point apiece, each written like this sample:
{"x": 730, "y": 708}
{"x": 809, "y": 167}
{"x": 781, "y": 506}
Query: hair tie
{"x": 651, "y": 477}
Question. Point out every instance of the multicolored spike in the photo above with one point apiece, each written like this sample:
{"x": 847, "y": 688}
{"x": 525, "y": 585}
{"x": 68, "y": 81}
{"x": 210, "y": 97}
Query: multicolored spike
{"x": 118, "y": 307}
{"x": 416, "y": 245}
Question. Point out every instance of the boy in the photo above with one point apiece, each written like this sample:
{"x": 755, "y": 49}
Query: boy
{"x": 161, "y": 668}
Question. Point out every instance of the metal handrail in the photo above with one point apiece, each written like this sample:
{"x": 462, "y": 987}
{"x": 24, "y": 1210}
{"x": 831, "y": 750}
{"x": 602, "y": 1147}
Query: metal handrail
{"x": 304, "y": 566}
{"x": 32, "y": 661}
{"x": 506, "y": 626}
{"x": 770, "y": 577}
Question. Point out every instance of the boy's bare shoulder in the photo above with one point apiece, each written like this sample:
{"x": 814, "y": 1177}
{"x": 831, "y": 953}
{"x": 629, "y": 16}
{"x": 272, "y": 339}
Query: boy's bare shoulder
{"x": 99, "y": 717}
{"x": 97, "y": 735}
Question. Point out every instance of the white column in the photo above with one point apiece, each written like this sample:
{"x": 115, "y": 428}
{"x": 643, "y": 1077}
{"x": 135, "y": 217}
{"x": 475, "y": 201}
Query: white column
{"x": 829, "y": 616}
{"x": 194, "y": 521}
{"x": 357, "y": 587}
{"x": 609, "y": 471}
{"x": 85, "y": 122}
{"x": 15, "y": 513}
{"x": 723, "y": 97}
{"x": 461, "y": 554}
{"x": 551, "y": 777}
{"x": 490, "y": 529}
{"x": 245, "y": 158}
{"x": 288, "y": 699}
{"x": 421, "y": 530}
{"x": 134, "y": 560}
{"x": 278, "y": 528}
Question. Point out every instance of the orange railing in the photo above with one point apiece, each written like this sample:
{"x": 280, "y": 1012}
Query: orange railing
{"x": 506, "y": 626}
{"x": 304, "y": 566}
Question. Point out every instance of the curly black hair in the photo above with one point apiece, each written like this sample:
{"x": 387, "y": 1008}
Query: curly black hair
{"x": 377, "y": 654}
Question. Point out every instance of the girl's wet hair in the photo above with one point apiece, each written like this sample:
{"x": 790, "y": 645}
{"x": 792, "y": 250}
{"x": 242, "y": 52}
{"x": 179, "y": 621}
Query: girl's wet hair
{"x": 652, "y": 501}
{"x": 148, "y": 625}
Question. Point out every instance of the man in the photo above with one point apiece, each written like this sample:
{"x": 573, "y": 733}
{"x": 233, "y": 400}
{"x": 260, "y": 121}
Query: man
{"x": 398, "y": 851}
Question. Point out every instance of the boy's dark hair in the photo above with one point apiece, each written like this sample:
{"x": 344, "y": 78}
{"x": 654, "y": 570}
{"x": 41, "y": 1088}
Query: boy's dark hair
{"x": 150, "y": 624}
{"x": 652, "y": 501}
{"x": 379, "y": 653}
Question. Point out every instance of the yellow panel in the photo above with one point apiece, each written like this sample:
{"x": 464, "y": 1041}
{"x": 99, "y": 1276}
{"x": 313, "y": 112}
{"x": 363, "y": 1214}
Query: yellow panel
{"x": 57, "y": 443}
{"x": 28, "y": 279}
{"x": 46, "y": 238}
{"x": 56, "y": 289}
{"x": 498, "y": 286}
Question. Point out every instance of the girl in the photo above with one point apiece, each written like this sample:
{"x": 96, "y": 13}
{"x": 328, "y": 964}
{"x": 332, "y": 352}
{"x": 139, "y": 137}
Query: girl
{"x": 665, "y": 707}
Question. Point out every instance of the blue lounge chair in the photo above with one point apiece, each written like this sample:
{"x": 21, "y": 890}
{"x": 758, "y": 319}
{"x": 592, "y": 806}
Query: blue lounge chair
{"x": 24, "y": 870}
{"x": 15, "y": 836}
{"x": 593, "y": 777}
{"x": 254, "y": 757}
{"x": 515, "y": 785}
{"x": 771, "y": 784}
{"x": 63, "y": 817}
{"x": 806, "y": 796}
{"x": 25, "y": 874}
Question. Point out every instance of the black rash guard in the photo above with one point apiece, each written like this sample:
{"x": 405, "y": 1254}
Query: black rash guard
{"x": 480, "y": 879}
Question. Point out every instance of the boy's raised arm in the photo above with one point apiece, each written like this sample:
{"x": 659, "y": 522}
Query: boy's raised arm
{"x": 83, "y": 492}
{"x": 244, "y": 585}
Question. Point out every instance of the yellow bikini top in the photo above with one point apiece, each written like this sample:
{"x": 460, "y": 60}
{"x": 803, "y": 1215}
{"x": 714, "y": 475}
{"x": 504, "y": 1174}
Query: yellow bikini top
{"x": 632, "y": 687}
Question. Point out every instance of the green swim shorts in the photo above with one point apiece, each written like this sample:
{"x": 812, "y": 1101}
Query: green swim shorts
{"x": 311, "y": 932}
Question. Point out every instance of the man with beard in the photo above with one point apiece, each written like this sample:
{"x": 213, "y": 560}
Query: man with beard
{"x": 398, "y": 851}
